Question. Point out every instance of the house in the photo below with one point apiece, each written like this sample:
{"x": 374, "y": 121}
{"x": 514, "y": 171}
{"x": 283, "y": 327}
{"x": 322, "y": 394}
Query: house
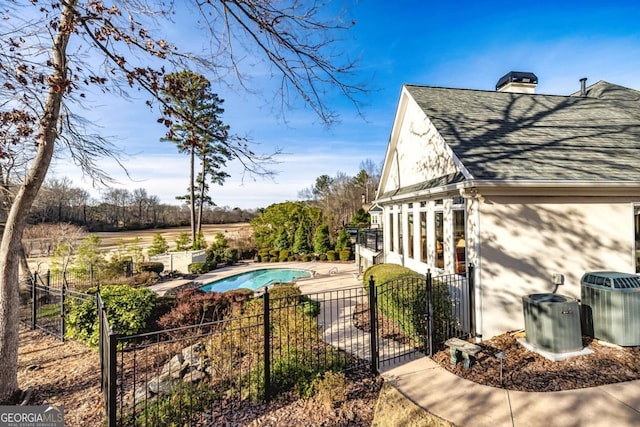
{"x": 533, "y": 190}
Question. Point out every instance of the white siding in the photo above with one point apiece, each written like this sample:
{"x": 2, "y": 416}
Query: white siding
{"x": 523, "y": 242}
{"x": 418, "y": 154}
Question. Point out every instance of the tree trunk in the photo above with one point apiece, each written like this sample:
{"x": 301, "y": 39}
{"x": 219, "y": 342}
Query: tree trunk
{"x": 202, "y": 195}
{"x": 192, "y": 192}
{"x": 16, "y": 219}
{"x": 24, "y": 264}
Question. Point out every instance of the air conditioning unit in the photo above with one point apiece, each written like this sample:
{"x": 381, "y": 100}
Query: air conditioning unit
{"x": 552, "y": 322}
{"x": 611, "y": 307}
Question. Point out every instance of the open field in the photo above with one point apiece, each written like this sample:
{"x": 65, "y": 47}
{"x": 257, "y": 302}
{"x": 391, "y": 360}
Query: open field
{"x": 110, "y": 241}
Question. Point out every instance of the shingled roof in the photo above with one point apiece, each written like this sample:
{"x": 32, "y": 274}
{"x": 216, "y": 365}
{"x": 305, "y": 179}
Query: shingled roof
{"x": 511, "y": 136}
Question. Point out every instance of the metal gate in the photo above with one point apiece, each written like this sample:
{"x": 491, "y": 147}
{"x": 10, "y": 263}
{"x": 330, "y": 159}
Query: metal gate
{"x": 413, "y": 316}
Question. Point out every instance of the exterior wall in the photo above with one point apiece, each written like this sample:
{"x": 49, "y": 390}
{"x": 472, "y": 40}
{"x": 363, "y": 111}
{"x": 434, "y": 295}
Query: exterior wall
{"x": 419, "y": 154}
{"x": 524, "y": 241}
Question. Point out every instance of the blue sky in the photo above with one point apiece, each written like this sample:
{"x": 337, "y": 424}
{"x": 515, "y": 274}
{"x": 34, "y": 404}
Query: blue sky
{"x": 451, "y": 44}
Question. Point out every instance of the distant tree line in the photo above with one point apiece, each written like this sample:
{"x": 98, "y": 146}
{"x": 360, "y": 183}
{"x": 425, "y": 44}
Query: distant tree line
{"x": 117, "y": 209}
{"x": 344, "y": 199}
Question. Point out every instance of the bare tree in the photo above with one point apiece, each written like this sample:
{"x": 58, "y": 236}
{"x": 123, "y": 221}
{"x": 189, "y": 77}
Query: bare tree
{"x": 116, "y": 48}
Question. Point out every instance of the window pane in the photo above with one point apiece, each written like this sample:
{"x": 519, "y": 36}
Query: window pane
{"x": 400, "y": 229}
{"x": 423, "y": 236}
{"x": 439, "y": 240}
{"x": 391, "y": 226}
{"x": 460, "y": 242}
{"x": 410, "y": 234}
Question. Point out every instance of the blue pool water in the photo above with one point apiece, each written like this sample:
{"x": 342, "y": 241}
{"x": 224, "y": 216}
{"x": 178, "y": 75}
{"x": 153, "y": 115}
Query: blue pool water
{"x": 255, "y": 279}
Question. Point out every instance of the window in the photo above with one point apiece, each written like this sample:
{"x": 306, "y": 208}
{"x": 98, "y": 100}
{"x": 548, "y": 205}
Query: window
{"x": 423, "y": 237}
{"x": 459, "y": 241}
{"x": 439, "y": 219}
{"x": 410, "y": 234}
{"x": 391, "y": 224}
{"x": 400, "y": 229}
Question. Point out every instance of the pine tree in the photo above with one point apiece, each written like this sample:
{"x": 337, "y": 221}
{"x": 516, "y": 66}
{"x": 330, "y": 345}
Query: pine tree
{"x": 322, "y": 242}
{"x": 158, "y": 246}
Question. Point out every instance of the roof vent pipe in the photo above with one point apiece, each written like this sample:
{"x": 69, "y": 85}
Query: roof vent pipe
{"x": 583, "y": 86}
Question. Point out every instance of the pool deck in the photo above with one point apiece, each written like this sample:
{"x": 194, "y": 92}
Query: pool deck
{"x": 326, "y": 275}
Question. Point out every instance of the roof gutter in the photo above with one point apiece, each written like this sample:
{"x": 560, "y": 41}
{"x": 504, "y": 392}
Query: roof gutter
{"x": 531, "y": 188}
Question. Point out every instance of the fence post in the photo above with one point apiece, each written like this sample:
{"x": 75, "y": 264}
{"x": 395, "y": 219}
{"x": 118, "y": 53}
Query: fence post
{"x": 62, "y": 314}
{"x": 111, "y": 379}
{"x": 91, "y": 275}
{"x": 373, "y": 325}
{"x": 101, "y": 342}
{"x": 471, "y": 281}
{"x": 267, "y": 346}
{"x": 430, "y": 328}
{"x": 34, "y": 304}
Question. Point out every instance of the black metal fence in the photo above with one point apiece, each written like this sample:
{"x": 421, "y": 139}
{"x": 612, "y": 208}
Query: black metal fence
{"x": 196, "y": 374}
{"x": 46, "y": 308}
{"x": 416, "y": 315}
{"x": 82, "y": 280}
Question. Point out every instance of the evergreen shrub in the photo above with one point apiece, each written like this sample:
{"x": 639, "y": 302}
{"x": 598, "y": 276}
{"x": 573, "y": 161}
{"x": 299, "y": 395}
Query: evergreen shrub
{"x": 128, "y": 310}
{"x": 284, "y": 255}
{"x": 201, "y": 267}
{"x": 156, "y": 267}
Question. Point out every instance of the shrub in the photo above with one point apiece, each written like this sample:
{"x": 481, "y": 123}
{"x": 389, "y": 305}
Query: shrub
{"x": 292, "y": 370}
{"x": 274, "y": 253}
{"x": 128, "y": 310}
{"x": 263, "y": 252}
{"x": 194, "y": 306}
{"x": 331, "y": 390}
{"x": 308, "y": 257}
{"x": 183, "y": 242}
{"x": 402, "y": 290}
{"x": 310, "y": 307}
{"x": 158, "y": 246}
{"x": 291, "y": 258}
{"x": 321, "y": 241}
{"x": 344, "y": 240}
{"x": 274, "y": 259}
{"x": 322, "y": 257}
{"x": 385, "y": 272}
{"x": 145, "y": 278}
{"x": 201, "y": 267}
{"x": 257, "y": 258}
{"x": 285, "y": 290}
{"x": 118, "y": 267}
{"x": 156, "y": 267}
{"x": 237, "y": 297}
{"x": 345, "y": 255}
{"x": 331, "y": 255}
{"x": 230, "y": 256}
{"x": 283, "y": 255}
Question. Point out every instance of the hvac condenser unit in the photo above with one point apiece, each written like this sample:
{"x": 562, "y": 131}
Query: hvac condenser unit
{"x": 552, "y": 322}
{"x": 611, "y": 307}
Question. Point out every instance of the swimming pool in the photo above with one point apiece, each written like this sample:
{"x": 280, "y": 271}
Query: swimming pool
{"x": 256, "y": 279}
